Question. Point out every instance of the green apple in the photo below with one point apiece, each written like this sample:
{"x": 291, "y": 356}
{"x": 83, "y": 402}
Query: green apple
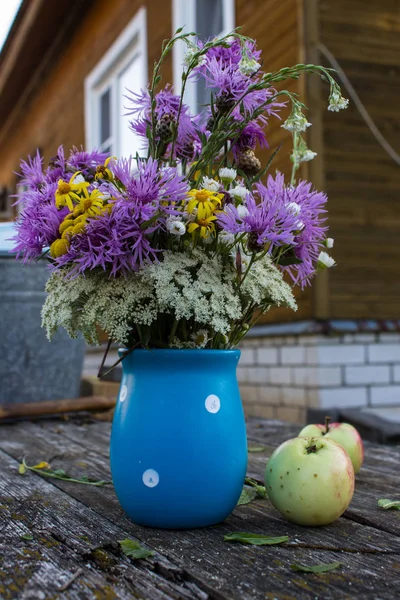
{"x": 344, "y": 434}
{"x": 310, "y": 480}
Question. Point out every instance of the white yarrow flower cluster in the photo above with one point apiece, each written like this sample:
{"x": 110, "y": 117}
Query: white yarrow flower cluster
{"x": 193, "y": 286}
{"x": 248, "y": 66}
{"x": 296, "y": 123}
{"x": 337, "y": 102}
{"x": 190, "y": 57}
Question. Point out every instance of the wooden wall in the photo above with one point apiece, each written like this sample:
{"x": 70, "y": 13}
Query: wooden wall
{"x": 277, "y": 25}
{"x": 56, "y": 114}
{"x": 362, "y": 181}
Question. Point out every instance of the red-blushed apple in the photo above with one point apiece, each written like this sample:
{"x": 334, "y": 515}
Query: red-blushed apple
{"x": 310, "y": 480}
{"x": 344, "y": 434}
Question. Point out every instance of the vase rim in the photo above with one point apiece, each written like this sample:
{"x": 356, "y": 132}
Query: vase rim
{"x": 233, "y": 351}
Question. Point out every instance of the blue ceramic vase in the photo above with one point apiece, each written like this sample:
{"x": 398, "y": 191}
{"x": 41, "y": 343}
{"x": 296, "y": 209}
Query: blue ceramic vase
{"x": 178, "y": 442}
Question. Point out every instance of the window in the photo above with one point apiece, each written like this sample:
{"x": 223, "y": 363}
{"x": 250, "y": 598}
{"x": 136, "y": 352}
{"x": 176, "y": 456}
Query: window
{"x": 208, "y": 18}
{"x": 123, "y": 67}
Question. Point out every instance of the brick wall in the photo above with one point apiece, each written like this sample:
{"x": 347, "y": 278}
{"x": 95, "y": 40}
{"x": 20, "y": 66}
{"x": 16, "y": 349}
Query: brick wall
{"x": 281, "y": 377}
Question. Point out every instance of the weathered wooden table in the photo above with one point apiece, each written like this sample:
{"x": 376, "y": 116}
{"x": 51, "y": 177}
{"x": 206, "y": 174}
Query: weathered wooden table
{"x": 74, "y": 529}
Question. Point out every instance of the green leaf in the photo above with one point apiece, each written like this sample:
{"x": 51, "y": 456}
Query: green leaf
{"x": 385, "y": 503}
{"x": 60, "y": 474}
{"x": 134, "y": 550}
{"x": 256, "y": 449}
{"x": 322, "y": 568}
{"x": 260, "y": 489}
{"x": 248, "y": 494}
{"x": 27, "y": 536}
{"x": 254, "y": 539}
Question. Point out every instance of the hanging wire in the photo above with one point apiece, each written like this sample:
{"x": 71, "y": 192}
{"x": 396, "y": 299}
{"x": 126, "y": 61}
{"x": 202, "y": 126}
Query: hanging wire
{"x": 360, "y": 106}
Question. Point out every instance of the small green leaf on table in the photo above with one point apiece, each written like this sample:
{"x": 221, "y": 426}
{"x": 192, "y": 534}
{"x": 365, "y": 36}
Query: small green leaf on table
{"x": 260, "y": 489}
{"x": 322, "y": 568}
{"x": 248, "y": 494}
{"x": 256, "y": 449}
{"x": 385, "y": 503}
{"x": 255, "y": 539}
{"x": 43, "y": 468}
{"x": 134, "y": 550}
{"x": 27, "y": 536}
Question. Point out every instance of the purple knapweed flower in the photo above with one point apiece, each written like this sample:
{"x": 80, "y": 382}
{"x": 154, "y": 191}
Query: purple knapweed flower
{"x": 187, "y": 142}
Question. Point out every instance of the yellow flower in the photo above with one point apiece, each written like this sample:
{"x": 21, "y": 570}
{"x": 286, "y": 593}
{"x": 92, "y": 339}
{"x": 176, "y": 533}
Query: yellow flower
{"x": 206, "y": 226}
{"x": 92, "y": 205}
{"x": 102, "y": 172}
{"x": 66, "y": 224}
{"x": 59, "y": 247}
{"x": 205, "y": 201}
{"x": 66, "y": 192}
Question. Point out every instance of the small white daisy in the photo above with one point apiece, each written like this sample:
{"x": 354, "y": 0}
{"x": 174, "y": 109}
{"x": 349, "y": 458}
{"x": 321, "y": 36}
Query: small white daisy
{"x": 242, "y": 211}
{"x": 227, "y": 175}
{"x": 176, "y": 227}
{"x": 239, "y": 192}
{"x": 325, "y": 261}
{"x": 207, "y": 183}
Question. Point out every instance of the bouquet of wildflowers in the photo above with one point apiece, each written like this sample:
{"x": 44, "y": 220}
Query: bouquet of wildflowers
{"x": 188, "y": 244}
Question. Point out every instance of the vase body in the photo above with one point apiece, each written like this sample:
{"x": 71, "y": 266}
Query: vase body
{"x": 178, "y": 443}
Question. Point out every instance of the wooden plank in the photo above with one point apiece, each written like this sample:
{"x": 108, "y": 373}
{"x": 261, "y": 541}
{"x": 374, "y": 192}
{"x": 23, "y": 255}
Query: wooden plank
{"x": 362, "y": 181}
{"x": 69, "y": 539}
{"x": 203, "y": 554}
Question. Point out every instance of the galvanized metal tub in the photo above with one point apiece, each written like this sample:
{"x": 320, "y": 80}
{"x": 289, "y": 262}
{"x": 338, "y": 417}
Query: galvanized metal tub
{"x": 31, "y": 367}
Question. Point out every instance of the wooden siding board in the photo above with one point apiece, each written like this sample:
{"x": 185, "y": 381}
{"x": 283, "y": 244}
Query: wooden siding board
{"x": 276, "y": 26}
{"x": 362, "y": 181}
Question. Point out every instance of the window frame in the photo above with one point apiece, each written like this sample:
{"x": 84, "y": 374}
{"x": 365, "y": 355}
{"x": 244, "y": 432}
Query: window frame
{"x": 184, "y": 15}
{"x": 105, "y": 75}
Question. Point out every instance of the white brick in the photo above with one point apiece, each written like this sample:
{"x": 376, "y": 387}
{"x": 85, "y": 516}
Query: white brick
{"x": 257, "y": 375}
{"x": 284, "y": 340}
{"x": 242, "y": 374}
{"x": 249, "y": 394}
{"x": 293, "y": 355}
{"x": 315, "y": 376}
{"x": 247, "y": 357}
{"x": 280, "y": 375}
{"x": 292, "y": 396}
{"x": 365, "y": 338}
{"x": 337, "y": 355}
{"x": 342, "y": 397}
{"x": 383, "y": 353}
{"x": 382, "y": 395}
{"x": 267, "y": 356}
{"x": 312, "y": 355}
{"x": 348, "y": 338}
{"x": 270, "y": 395}
{"x": 396, "y": 373}
{"x": 392, "y": 338}
{"x": 316, "y": 340}
{"x": 367, "y": 374}
{"x": 261, "y": 410}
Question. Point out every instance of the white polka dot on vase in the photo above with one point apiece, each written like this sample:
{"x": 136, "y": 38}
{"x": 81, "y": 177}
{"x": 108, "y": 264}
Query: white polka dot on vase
{"x": 213, "y": 403}
{"x": 123, "y": 393}
{"x": 150, "y": 478}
